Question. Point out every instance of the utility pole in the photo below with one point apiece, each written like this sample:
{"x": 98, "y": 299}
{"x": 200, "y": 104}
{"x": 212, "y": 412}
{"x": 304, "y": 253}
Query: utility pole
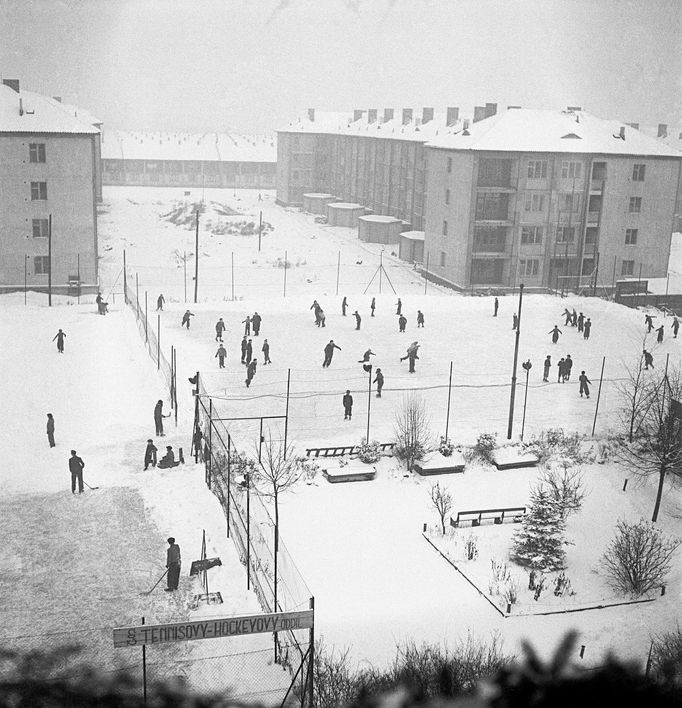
{"x": 196, "y": 257}
{"x": 49, "y": 260}
{"x": 516, "y": 358}
{"x": 369, "y": 397}
{"x": 25, "y": 277}
{"x": 184, "y": 269}
{"x": 260, "y": 228}
{"x": 447, "y": 416}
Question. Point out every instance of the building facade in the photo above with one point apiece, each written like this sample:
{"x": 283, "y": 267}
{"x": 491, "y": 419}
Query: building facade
{"x": 188, "y": 160}
{"x": 49, "y": 176}
{"x": 549, "y": 199}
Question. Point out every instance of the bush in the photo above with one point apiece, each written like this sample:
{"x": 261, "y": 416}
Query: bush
{"x": 639, "y": 557}
{"x": 368, "y": 452}
{"x": 565, "y": 486}
{"x": 412, "y": 436}
{"x": 554, "y": 442}
{"x": 666, "y": 657}
{"x": 446, "y": 447}
{"x": 485, "y": 444}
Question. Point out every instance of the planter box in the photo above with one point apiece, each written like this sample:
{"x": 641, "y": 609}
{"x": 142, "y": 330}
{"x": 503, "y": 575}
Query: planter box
{"x": 350, "y": 473}
{"x": 507, "y": 458}
{"x": 435, "y": 463}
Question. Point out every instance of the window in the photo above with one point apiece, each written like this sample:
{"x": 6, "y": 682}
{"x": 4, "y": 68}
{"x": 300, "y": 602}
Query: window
{"x": 591, "y": 234}
{"x": 442, "y": 259}
{"x": 41, "y": 265}
{"x": 535, "y": 202}
{"x": 630, "y": 237}
{"x": 36, "y": 152}
{"x": 492, "y": 206}
{"x": 38, "y": 191}
{"x": 565, "y": 234}
{"x": 40, "y": 228}
{"x": 449, "y": 165}
{"x": 529, "y": 267}
{"x": 627, "y": 268}
{"x": 571, "y": 170}
{"x": 445, "y": 228}
{"x": 638, "y": 172}
{"x": 635, "y": 205}
{"x": 494, "y": 172}
{"x": 537, "y": 169}
{"x": 569, "y": 202}
{"x": 447, "y": 196}
{"x": 531, "y": 234}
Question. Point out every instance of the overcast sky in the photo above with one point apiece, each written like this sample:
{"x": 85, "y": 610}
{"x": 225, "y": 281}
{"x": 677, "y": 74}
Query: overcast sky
{"x": 252, "y": 65}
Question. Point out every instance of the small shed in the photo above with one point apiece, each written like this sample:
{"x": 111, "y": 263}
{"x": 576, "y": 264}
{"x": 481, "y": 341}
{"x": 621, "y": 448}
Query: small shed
{"x": 412, "y": 246}
{"x": 316, "y": 203}
{"x": 375, "y": 228}
{"x": 344, "y": 213}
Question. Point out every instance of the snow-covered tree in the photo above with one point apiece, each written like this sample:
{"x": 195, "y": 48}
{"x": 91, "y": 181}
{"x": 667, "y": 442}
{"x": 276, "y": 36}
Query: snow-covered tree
{"x": 442, "y": 501}
{"x": 539, "y": 543}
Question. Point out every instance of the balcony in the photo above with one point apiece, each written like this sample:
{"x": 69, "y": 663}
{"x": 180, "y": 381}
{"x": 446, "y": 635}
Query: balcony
{"x": 593, "y": 217}
{"x": 479, "y": 247}
{"x": 596, "y": 186}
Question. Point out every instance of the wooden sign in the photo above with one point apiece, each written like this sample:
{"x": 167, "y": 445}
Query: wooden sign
{"x": 149, "y": 634}
{"x": 201, "y": 565}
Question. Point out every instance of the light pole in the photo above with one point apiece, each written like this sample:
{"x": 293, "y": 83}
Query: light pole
{"x": 512, "y": 395}
{"x": 368, "y": 369}
{"x": 196, "y": 257}
{"x": 25, "y": 276}
{"x": 527, "y": 366}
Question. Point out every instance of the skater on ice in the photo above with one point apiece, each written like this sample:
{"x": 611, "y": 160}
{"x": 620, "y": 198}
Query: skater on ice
{"x": 256, "y": 319}
{"x": 379, "y": 381}
{"x": 496, "y": 306}
{"x": 150, "y": 454}
{"x": 584, "y": 388}
{"x": 568, "y": 365}
{"x": 221, "y": 354}
{"x": 60, "y": 341}
{"x": 50, "y": 429}
{"x": 250, "y": 373}
{"x": 366, "y": 356}
{"x": 185, "y": 318}
{"x": 675, "y": 326}
{"x": 344, "y": 305}
{"x": 581, "y": 322}
{"x": 586, "y": 329}
{"x": 402, "y": 321}
{"x": 567, "y": 317}
{"x": 515, "y": 321}
{"x": 247, "y": 326}
{"x": 574, "y": 318}
{"x": 244, "y": 345}
{"x": 561, "y": 367}
{"x": 249, "y": 352}
{"x": 649, "y": 322}
{"x": 399, "y": 307}
{"x": 219, "y": 329}
{"x": 420, "y": 318}
{"x": 159, "y": 302}
{"x": 358, "y": 319}
{"x": 322, "y": 317}
{"x": 555, "y": 332}
{"x": 412, "y": 355}
{"x": 546, "y": 367}
{"x": 373, "y": 306}
{"x": 76, "y": 466}
{"x": 316, "y": 306}
{"x": 329, "y": 353}
{"x": 347, "y": 406}
{"x": 266, "y": 352}
{"x": 648, "y": 359}
{"x": 659, "y": 333}
{"x": 173, "y": 562}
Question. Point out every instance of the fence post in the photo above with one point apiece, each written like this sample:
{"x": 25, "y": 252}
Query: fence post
{"x": 447, "y": 417}
{"x": 596, "y": 408}
{"x": 311, "y": 658}
{"x": 210, "y": 443}
{"x": 286, "y": 414}
{"x": 146, "y": 321}
{"x": 158, "y": 342}
{"x": 144, "y": 672}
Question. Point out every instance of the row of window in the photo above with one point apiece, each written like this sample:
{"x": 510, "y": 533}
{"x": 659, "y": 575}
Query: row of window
{"x": 534, "y": 234}
{"x": 531, "y": 266}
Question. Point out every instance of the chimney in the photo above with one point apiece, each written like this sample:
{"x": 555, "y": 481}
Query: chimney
{"x": 21, "y": 106}
{"x": 427, "y": 115}
{"x": 452, "y": 115}
{"x": 490, "y": 109}
{"x": 12, "y": 83}
{"x": 479, "y": 113}
{"x": 57, "y": 98}
{"x": 662, "y": 130}
{"x": 372, "y": 115}
{"x": 311, "y": 115}
{"x": 634, "y": 125}
{"x": 574, "y": 109}
{"x": 388, "y": 115}
{"x": 407, "y": 116}
{"x": 621, "y": 132}
{"x": 357, "y": 114}
{"x": 465, "y": 126}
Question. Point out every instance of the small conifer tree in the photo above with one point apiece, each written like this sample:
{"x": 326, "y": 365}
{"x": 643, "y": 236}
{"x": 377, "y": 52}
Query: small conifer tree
{"x": 539, "y": 543}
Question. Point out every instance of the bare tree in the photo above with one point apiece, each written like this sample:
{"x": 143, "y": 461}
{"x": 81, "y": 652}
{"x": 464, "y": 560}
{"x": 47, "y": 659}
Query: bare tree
{"x": 442, "y": 501}
{"x": 657, "y": 447}
{"x": 634, "y": 392}
{"x": 412, "y": 435}
{"x": 566, "y": 486}
{"x": 638, "y": 558}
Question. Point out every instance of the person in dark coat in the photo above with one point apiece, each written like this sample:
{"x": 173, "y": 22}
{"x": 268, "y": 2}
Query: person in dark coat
{"x": 379, "y": 381}
{"x": 60, "y": 341}
{"x": 399, "y": 307}
{"x": 322, "y": 318}
{"x": 555, "y": 332}
{"x": 411, "y": 355}
{"x": 76, "y": 466}
{"x": 344, "y": 305}
{"x": 574, "y": 318}
{"x": 584, "y": 388}
{"x": 358, "y": 319}
{"x": 547, "y": 365}
{"x": 586, "y": 328}
{"x": 256, "y": 319}
{"x": 568, "y": 316}
{"x": 659, "y": 333}
{"x": 244, "y": 345}
{"x": 402, "y": 321}
{"x": 247, "y": 326}
{"x": 515, "y": 320}
{"x": 50, "y": 429}
{"x": 316, "y": 306}
{"x": 99, "y": 301}
{"x": 173, "y": 563}
{"x": 249, "y": 352}
{"x": 185, "y": 318}
{"x": 675, "y": 327}
{"x": 420, "y": 318}
{"x": 373, "y": 306}
{"x": 221, "y": 354}
{"x": 649, "y": 322}
{"x": 366, "y": 356}
{"x": 250, "y": 372}
{"x": 168, "y": 460}
{"x": 150, "y": 454}
{"x": 159, "y": 302}
{"x": 561, "y": 367}
{"x": 219, "y": 329}
{"x": 158, "y": 417}
{"x": 347, "y": 406}
{"x": 568, "y": 365}
{"x": 266, "y": 352}
{"x": 329, "y": 353}
{"x": 496, "y": 306}
{"x": 581, "y": 322}
{"x": 648, "y": 360}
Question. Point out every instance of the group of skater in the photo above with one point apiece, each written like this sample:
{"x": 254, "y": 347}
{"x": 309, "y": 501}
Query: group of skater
{"x": 660, "y": 331}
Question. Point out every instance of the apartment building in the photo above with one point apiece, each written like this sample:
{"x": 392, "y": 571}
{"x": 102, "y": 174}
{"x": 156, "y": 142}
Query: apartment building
{"x": 50, "y": 174}
{"x": 157, "y": 159}
{"x": 543, "y": 197}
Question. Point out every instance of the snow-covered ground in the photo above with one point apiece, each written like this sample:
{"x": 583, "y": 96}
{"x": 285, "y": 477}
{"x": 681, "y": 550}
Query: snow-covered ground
{"x": 359, "y": 546}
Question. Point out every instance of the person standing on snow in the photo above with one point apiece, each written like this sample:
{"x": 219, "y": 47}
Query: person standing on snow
{"x": 373, "y": 306}
{"x": 244, "y": 345}
{"x": 159, "y": 302}
{"x": 586, "y": 328}
{"x": 158, "y": 417}
{"x": 420, "y": 318}
{"x": 60, "y": 341}
{"x": 185, "y": 318}
{"x": 316, "y": 306}
{"x": 250, "y": 372}
{"x": 76, "y": 466}
{"x": 247, "y": 326}
{"x": 648, "y": 360}
{"x": 344, "y": 305}
{"x": 249, "y": 352}
{"x": 50, "y": 429}
{"x": 496, "y": 306}
{"x": 173, "y": 562}
{"x": 266, "y": 352}
{"x": 379, "y": 381}
{"x": 581, "y": 322}
{"x": 150, "y": 454}
{"x": 221, "y": 354}
{"x": 256, "y": 319}
{"x": 358, "y": 319}
{"x": 399, "y": 307}
{"x": 347, "y": 406}
{"x": 555, "y": 332}
{"x": 561, "y": 367}
{"x": 219, "y": 329}
{"x": 411, "y": 355}
{"x": 675, "y": 327}
{"x": 574, "y": 318}
{"x": 584, "y": 388}
{"x": 402, "y": 321}
{"x": 329, "y": 353}
{"x": 659, "y": 333}
{"x": 568, "y": 365}
{"x": 649, "y": 322}
{"x": 547, "y": 365}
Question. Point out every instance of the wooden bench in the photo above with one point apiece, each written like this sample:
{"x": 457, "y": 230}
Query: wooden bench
{"x": 498, "y": 516}
{"x": 350, "y": 473}
{"x": 341, "y": 450}
{"x": 509, "y": 458}
{"x": 435, "y": 463}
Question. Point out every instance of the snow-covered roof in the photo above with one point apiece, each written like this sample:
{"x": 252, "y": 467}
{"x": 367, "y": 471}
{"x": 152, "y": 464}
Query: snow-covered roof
{"x": 532, "y": 130}
{"x": 224, "y": 147}
{"x": 413, "y": 235}
{"x": 79, "y": 113}
{"x": 28, "y": 112}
